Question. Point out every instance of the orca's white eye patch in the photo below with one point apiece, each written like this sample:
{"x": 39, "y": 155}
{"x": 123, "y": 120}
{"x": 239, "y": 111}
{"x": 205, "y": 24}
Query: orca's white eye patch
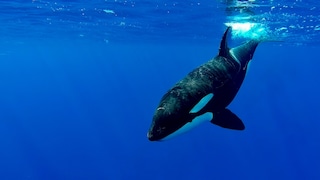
{"x": 202, "y": 103}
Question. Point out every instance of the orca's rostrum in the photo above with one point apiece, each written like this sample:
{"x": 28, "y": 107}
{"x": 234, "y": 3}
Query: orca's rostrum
{"x": 204, "y": 94}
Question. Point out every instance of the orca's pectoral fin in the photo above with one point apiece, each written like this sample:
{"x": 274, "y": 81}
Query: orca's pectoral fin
{"x": 227, "y": 119}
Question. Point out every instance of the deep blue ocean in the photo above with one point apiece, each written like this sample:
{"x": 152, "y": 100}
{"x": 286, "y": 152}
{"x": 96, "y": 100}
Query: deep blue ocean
{"x": 80, "y": 81}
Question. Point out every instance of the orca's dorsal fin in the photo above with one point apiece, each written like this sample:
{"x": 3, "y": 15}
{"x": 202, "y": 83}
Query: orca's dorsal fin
{"x": 226, "y": 119}
{"x": 224, "y": 50}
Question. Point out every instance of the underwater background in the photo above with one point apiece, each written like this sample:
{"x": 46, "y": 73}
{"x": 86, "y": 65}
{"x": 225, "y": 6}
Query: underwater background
{"x": 80, "y": 81}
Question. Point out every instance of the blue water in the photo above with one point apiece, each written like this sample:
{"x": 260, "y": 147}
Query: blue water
{"x": 80, "y": 81}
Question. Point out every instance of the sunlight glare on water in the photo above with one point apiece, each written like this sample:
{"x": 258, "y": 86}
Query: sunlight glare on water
{"x": 293, "y": 22}
{"x": 247, "y": 30}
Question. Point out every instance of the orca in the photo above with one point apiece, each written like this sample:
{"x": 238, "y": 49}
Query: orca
{"x": 204, "y": 94}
